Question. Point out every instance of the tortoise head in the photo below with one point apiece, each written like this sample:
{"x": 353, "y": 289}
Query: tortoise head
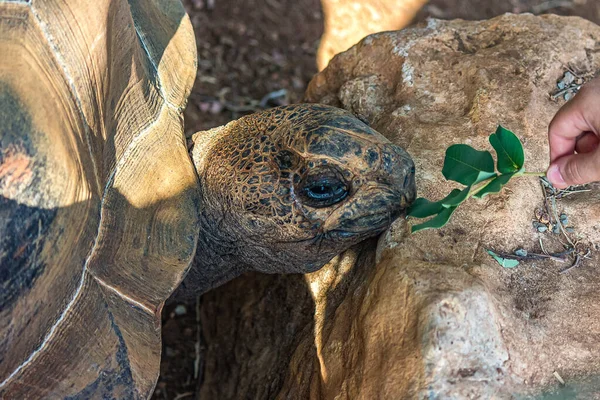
{"x": 291, "y": 187}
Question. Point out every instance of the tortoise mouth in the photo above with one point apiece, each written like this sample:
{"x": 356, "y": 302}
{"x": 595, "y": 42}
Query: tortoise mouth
{"x": 356, "y": 236}
{"x": 366, "y": 225}
{"x": 371, "y": 211}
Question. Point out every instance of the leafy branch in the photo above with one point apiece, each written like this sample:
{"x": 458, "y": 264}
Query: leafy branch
{"x": 474, "y": 169}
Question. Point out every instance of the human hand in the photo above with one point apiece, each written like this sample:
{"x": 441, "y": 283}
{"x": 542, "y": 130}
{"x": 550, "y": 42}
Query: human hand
{"x": 574, "y": 135}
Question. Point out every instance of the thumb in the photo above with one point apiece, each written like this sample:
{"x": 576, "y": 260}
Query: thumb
{"x": 576, "y": 169}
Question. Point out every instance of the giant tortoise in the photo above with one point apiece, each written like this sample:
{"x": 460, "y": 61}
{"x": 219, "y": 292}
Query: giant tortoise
{"x": 103, "y": 210}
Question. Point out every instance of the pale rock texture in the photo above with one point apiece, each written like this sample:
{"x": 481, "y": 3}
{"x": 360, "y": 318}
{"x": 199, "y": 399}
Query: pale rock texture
{"x": 348, "y": 21}
{"x": 432, "y": 315}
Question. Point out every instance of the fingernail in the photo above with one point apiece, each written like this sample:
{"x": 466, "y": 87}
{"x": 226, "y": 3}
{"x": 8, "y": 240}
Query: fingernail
{"x": 554, "y": 176}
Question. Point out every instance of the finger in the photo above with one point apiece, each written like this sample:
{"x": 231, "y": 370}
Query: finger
{"x": 575, "y": 117}
{"x": 576, "y": 169}
{"x": 587, "y": 143}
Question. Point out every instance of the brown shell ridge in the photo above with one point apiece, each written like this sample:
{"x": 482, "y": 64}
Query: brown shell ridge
{"x": 152, "y": 61}
{"x": 161, "y": 91}
{"x": 69, "y": 79}
{"x": 124, "y": 296}
{"x": 154, "y": 67}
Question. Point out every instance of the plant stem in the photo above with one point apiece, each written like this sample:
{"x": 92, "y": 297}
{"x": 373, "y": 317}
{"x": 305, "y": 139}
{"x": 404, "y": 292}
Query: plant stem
{"x": 540, "y": 174}
{"x": 479, "y": 186}
{"x": 474, "y": 190}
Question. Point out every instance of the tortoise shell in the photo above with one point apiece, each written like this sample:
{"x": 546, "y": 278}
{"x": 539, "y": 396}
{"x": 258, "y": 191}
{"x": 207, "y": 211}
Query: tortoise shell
{"x": 98, "y": 199}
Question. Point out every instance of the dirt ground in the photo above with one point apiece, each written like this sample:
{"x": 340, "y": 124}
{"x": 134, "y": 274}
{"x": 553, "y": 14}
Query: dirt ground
{"x": 248, "y": 50}
{"x": 256, "y": 54}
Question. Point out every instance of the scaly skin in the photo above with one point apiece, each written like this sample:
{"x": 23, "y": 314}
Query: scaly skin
{"x": 256, "y": 212}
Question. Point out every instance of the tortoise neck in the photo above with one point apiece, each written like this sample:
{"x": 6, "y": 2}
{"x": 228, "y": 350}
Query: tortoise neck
{"x": 214, "y": 264}
{"x": 216, "y": 260}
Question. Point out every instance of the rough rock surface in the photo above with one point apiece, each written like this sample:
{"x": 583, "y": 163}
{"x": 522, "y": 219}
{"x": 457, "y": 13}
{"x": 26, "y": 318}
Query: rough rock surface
{"x": 431, "y": 315}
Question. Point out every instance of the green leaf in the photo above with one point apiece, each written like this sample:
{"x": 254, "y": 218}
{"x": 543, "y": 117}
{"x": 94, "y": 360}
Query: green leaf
{"x": 455, "y": 197}
{"x": 509, "y": 149}
{"x": 466, "y": 165}
{"x": 505, "y": 262}
{"x": 436, "y": 222}
{"x": 422, "y": 208}
{"x": 494, "y": 186}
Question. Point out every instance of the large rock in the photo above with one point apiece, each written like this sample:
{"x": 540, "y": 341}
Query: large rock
{"x": 432, "y": 315}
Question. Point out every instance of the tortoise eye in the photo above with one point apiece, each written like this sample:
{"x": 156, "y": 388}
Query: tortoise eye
{"x": 323, "y": 187}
